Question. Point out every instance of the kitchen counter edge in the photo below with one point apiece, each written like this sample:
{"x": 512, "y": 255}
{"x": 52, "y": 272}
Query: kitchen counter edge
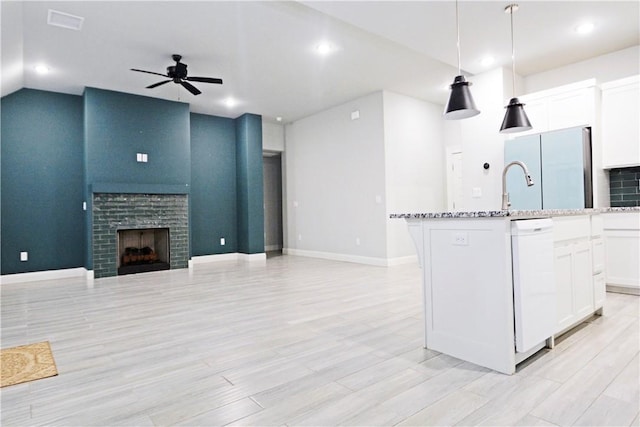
{"x": 513, "y": 214}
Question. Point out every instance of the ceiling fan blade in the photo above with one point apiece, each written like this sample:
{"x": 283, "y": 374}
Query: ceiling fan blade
{"x": 191, "y": 88}
{"x": 204, "y": 80}
{"x": 149, "y": 72}
{"x": 158, "y": 84}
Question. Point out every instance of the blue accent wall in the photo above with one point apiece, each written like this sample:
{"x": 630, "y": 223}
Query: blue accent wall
{"x": 42, "y": 181}
{"x": 250, "y": 189}
{"x": 213, "y": 185}
{"x": 57, "y": 149}
{"x": 119, "y": 125}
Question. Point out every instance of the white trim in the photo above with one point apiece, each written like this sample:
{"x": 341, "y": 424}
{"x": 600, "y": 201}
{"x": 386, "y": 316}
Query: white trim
{"x": 626, "y": 81}
{"x": 259, "y": 257}
{"x": 623, "y": 281}
{"x": 46, "y": 275}
{"x": 203, "y": 259}
{"x": 623, "y": 289}
{"x": 381, "y": 262}
{"x": 402, "y": 260}
{"x": 235, "y": 256}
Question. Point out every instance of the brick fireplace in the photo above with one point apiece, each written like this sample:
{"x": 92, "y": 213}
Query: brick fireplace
{"x": 114, "y": 211}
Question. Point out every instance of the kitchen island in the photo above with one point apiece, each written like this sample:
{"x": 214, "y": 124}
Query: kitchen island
{"x": 471, "y": 307}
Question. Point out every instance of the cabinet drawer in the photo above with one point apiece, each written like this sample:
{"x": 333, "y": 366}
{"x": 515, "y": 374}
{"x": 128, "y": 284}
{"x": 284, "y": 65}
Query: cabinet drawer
{"x": 571, "y": 228}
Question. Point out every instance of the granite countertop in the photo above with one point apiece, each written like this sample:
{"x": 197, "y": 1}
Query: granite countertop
{"x": 512, "y": 213}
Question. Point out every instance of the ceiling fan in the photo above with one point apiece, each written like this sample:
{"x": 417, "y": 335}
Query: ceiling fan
{"x": 178, "y": 74}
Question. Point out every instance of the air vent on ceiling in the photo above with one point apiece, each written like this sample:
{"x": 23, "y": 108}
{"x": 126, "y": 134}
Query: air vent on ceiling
{"x": 64, "y": 20}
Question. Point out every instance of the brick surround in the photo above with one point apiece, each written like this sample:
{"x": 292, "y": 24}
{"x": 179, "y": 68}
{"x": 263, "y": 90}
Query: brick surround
{"x": 113, "y": 212}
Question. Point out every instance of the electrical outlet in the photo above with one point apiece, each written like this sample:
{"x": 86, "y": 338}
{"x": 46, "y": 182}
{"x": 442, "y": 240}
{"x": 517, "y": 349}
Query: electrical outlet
{"x": 299, "y": 236}
{"x": 24, "y": 256}
{"x": 222, "y": 241}
{"x": 357, "y": 241}
{"x": 460, "y": 239}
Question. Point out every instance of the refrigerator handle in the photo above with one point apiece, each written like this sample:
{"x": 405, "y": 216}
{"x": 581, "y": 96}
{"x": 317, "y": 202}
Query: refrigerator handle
{"x": 588, "y": 177}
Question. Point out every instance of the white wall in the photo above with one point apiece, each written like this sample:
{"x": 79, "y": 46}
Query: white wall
{"x": 334, "y": 174}
{"x": 414, "y": 159}
{"x": 480, "y": 141}
{"x": 272, "y": 136}
{"x": 612, "y": 66}
{"x": 12, "y": 47}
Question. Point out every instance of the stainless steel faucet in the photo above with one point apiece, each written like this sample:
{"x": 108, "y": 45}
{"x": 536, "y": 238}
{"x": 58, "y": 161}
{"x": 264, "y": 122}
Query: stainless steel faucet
{"x": 505, "y": 196}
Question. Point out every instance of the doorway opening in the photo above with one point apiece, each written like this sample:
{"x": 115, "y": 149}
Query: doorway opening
{"x": 272, "y": 182}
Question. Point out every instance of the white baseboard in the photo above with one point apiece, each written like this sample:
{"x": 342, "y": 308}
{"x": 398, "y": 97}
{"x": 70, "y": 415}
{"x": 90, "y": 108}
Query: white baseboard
{"x": 621, "y": 289}
{"x": 46, "y": 275}
{"x": 204, "y": 259}
{"x": 235, "y": 256}
{"x": 411, "y": 259}
{"x": 253, "y": 257}
{"x": 381, "y": 262}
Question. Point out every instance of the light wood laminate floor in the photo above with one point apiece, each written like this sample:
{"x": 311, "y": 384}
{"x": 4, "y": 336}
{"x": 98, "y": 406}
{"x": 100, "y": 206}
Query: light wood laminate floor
{"x": 295, "y": 341}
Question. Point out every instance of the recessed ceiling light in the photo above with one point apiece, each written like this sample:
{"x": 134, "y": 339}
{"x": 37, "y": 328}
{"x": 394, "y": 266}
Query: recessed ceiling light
{"x": 279, "y": 119}
{"x": 64, "y": 20}
{"x": 585, "y": 28}
{"x": 41, "y": 69}
{"x": 324, "y": 48}
{"x": 230, "y": 102}
{"x": 487, "y": 61}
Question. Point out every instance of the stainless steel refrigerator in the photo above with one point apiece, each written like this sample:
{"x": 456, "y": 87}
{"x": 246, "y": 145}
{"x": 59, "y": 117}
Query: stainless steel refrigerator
{"x": 559, "y": 163}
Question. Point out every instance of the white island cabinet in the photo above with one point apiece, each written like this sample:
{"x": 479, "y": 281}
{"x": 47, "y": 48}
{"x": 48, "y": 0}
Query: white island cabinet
{"x": 468, "y": 287}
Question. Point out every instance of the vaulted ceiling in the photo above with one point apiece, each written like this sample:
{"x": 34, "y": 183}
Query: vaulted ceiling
{"x": 265, "y": 51}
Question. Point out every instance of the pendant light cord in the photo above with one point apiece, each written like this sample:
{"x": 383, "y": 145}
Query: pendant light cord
{"x": 513, "y": 56}
{"x": 458, "y": 39}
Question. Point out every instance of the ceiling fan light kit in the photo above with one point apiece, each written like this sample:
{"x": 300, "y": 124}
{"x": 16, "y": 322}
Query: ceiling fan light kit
{"x": 178, "y": 74}
{"x": 460, "y": 104}
{"x": 515, "y": 118}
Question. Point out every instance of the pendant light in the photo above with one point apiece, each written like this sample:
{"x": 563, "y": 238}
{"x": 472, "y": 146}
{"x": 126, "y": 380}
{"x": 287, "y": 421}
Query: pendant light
{"x": 515, "y": 119}
{"x": 460, "y": 104}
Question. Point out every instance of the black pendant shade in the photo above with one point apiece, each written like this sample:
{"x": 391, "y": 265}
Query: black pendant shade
{"x": 460, "y": 104}
{"x": 515, "y": 119}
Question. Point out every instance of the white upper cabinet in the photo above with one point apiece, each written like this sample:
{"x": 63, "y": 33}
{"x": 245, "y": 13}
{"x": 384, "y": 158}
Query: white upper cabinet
{"x": 562, "y": 107}
{"x": 621, "y": 123}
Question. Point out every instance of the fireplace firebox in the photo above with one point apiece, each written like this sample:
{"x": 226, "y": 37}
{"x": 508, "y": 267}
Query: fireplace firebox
{"x": 143, "y": 250}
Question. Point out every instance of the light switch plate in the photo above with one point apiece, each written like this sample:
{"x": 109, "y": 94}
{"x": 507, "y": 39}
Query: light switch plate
{"x": 477, "y": 192}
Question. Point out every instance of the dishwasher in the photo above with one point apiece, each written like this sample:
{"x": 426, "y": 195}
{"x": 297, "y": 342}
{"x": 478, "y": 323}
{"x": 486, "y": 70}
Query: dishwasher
{"x": 534, "y": 290}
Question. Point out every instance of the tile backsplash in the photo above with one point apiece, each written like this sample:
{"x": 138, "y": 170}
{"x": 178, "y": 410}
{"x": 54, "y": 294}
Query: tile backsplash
{"x": 624, "y": 187}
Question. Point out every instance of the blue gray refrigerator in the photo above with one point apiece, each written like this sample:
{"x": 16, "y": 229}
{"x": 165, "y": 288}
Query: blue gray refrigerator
{"x": 559, "y": 163}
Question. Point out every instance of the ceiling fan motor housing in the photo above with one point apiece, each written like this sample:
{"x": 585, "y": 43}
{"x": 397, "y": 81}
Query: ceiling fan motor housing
{"x": 178, "y": 71}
